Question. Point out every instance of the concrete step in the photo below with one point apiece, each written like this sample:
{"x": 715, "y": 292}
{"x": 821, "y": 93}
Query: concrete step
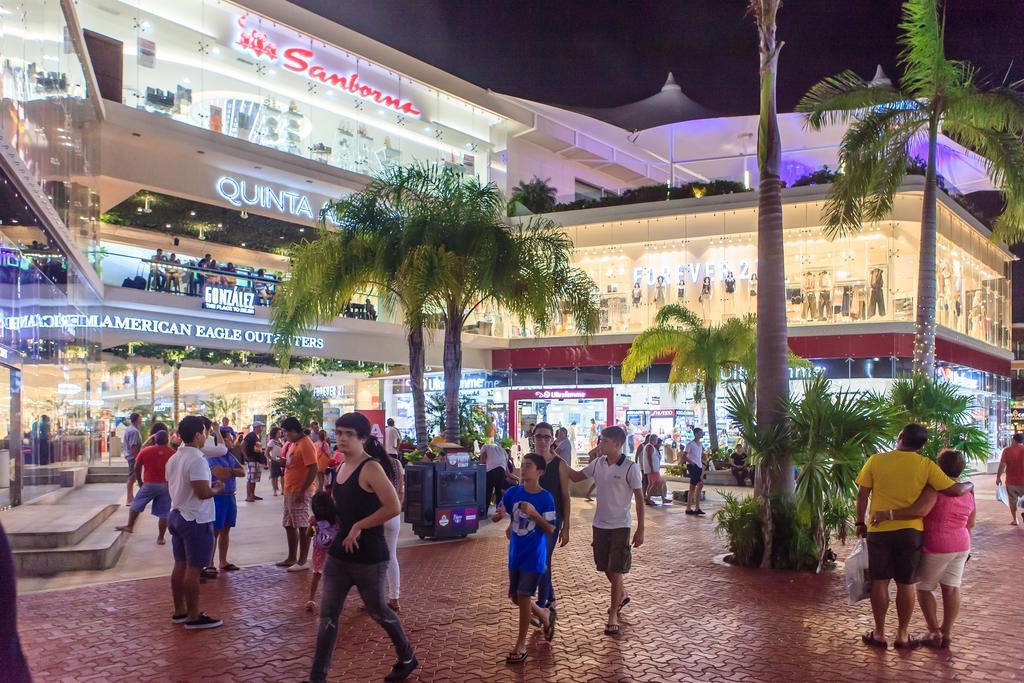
{"x": 99, "y": 550}
{"x": 107, "y": 474}
{"x": 36, "y": 527}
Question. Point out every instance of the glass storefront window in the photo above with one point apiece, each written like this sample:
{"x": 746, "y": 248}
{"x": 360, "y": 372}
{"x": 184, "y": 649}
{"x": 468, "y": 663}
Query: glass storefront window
{"x": 220, "y": 67}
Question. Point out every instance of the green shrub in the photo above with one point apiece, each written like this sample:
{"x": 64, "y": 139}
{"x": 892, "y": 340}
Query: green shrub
{"x": 739, "y": 520}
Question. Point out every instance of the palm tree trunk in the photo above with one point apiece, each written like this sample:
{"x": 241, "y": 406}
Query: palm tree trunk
{"x": 924, "y": 324}
{"x": 152, "y": 392}
{"x": 417, "y": 364}
{"x": 177, "y": 391}
{"x": 135, "y": 382}
{"x": 772, "y": 335}
{"x": 452, "y": 372}
{"x": 710, "y": 389}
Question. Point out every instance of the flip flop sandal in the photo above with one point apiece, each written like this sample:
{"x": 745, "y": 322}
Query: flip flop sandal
{"x": 870, "y": 640}
{"x": 209, "y": 573}
{"x": 549, "y": 630}
{"x": 944, "y": 643}
{"x": 515, "y": 657}
{"x": 912, "y": 643}
{"x": 535, "y": 622}
{"x": 931, "y": 641}
{"x": 230, "y": 568}
{"x": 611, "y": 629}
{"x": 625, "y": 601}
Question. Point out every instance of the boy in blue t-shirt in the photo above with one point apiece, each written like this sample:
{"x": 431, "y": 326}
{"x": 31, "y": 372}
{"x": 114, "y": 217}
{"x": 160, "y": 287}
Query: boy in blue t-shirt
{"x": 532, "y": 512}
{"x": 225, "y": 468}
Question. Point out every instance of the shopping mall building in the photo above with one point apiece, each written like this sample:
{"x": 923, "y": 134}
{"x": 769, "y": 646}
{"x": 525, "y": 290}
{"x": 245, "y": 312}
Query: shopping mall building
{"x": 158, "y": 159}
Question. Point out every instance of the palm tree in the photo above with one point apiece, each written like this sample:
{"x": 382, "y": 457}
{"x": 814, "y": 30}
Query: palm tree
{"x": 222, "y": 406}
{"x": 884, "y": 122}
{"x": 536, "y": 195}
{"x": 174, "y": 357}
{"x": 830, "y": 434}
{"x": 300, "y": 402}
{"x": 366, "y": 253}
{"x": 699, "y": 353}
{"x": 773, "y": 477}
{"x": 939, "y": 406}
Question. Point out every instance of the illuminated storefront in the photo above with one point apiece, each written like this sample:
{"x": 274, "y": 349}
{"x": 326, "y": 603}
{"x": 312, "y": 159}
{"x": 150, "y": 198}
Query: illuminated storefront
{"x": 224, "y": 68}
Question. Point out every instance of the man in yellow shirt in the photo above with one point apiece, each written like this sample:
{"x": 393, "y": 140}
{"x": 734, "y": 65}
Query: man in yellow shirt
{"x": 893, "y": 481}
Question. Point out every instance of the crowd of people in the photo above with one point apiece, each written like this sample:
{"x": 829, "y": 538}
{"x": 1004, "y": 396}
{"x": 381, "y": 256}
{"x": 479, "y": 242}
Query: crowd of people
{"x": 341, "y": 518}
{"x": 182, "y": 275}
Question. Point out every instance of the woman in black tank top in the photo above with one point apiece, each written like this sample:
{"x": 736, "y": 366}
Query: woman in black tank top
{"x": 364, "y": 498}
{"x": 555, "y": 480}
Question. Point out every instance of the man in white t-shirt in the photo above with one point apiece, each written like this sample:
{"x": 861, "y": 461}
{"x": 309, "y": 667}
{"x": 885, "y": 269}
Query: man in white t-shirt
{"x": 495, "y": 459}
{"x": 694, "y": 454}
{"x": 392, "y": 437}
{"x": 191, "y": 522}
{"x": 618, "y": 483}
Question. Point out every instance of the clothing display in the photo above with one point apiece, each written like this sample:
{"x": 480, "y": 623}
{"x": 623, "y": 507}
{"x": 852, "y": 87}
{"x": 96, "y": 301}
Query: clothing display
{"x": 876, "y": 298}
{"x": 637, "y": 295}
{"x": 730, "y": 283}
{"x": 753, "y": 284}
{"x": 705, "y": 290}
{"x": 659, "y": 292}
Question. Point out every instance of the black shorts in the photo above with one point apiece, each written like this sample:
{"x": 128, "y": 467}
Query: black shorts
{"x": 894, "y": 555}
{"x": 695, "y": 472}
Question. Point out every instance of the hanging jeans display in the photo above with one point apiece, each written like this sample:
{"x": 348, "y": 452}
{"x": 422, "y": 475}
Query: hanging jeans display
{"x": 876, "y": 302}
{"x": 810, "y": 309}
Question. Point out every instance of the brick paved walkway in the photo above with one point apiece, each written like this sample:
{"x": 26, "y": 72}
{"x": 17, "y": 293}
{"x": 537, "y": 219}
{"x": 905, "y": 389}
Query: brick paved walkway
{"x": 690, "y": 620}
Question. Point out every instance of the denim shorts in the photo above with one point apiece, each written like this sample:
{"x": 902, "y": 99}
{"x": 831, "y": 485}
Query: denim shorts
{"x": 153, "y": 492}
{"x": 191, "y": 542}
{"x": 522, "y": 583}
{"x": 226, "y": 508}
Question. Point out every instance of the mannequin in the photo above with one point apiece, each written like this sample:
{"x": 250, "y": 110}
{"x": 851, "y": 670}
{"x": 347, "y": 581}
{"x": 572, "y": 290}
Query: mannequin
{"x": 659, "y": 292}
{"x": 824, "y": 295}
{"x": 730, "y": 282}
{"x": 876, "y": 298}
{"x": 637, "y": 294}
{"x": 753, "y": 284}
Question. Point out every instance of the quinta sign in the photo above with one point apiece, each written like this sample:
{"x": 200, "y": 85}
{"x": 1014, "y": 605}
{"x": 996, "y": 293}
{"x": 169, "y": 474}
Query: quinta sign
{"x": 317, "y": 67}
{"x": 240, "y": 192}
{"x": 230, "y": 300}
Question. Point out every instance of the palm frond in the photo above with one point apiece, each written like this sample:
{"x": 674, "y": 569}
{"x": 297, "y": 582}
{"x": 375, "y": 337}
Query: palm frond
{"x": 843, "y": 98}
{"x": 998, "y": 109}
{"x": 926, "y": 71}
{"x": 657, "y": 343}
{"x": 677, "y": 313}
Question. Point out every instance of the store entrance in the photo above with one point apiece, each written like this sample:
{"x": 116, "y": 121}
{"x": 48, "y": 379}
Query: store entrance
{"x": 584, "y": 418}
{"x": 13, "y": 489}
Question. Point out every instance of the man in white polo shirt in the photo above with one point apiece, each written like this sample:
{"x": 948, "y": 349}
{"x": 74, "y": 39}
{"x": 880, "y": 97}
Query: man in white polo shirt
{"x": 618, "y": 482}
{"x": 191, "y": 522}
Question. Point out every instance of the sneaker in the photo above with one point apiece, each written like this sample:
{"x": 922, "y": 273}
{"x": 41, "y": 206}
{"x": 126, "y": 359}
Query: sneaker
{"x": 690, "y": 512}
{"x": 204, "y": 621}
{"x": 179, "y": 618}
{"x": 401, "y": 670}
{"x": 299, "y": 567}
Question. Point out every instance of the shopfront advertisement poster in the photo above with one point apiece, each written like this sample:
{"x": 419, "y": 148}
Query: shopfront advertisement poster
{"x": 147, "y": 53}
{"x": 376, "y": 418}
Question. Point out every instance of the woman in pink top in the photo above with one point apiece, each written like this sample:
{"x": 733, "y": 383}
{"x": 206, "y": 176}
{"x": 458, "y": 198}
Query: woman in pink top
{"x": 947, "y": 545}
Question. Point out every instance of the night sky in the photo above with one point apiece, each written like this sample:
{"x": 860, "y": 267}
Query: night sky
{"x": 608, "y": 52}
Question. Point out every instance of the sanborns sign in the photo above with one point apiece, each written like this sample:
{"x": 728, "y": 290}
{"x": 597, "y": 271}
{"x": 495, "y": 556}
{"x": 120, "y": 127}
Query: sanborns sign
{"x": 304, "y": 60}
{"x": 230, "y": 300}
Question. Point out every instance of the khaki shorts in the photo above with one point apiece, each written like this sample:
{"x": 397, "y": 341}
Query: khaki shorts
{"x": 1014, "y": 493}
{"x": 611, "y": 550}
{"x": 946, "y": 569}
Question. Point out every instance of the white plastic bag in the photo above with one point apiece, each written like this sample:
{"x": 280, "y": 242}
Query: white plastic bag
{"x": 1001, "y": 494}
{"x": 858, "y": 583}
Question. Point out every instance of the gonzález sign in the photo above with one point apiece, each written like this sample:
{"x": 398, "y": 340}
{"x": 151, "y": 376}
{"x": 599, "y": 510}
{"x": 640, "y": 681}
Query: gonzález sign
{"x": 230, "y": 300}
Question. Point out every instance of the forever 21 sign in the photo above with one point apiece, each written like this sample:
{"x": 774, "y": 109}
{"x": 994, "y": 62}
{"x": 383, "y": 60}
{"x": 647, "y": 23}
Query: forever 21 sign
{"x": 230, "y": 300}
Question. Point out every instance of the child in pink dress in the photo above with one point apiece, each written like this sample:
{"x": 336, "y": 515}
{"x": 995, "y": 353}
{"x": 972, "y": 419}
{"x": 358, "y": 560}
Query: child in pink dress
{"x": 323, "y": 527}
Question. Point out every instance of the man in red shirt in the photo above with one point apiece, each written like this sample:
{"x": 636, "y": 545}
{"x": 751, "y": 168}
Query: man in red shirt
{"x": 1011, "y": 463}
{"x": 149, "y": 473}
